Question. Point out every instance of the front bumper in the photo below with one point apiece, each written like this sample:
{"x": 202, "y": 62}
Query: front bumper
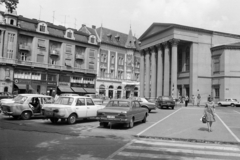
{"x": 115, "y": 120}
{"x": 7, "y": 113}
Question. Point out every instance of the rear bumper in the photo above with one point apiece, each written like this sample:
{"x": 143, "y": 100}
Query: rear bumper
{"x": 114, "y": 120}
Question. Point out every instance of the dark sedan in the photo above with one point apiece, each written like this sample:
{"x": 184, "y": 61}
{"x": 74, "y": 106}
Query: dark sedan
{"x": 126, "y": 111}
{"x": 165, "y": 101}
{"x": 145, "y": 103}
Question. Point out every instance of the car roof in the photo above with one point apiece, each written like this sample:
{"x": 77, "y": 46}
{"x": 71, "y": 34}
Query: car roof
{"x": 75, "y": 96}
{"x": 123, "y": 100}
{"x": 34, "y": 95}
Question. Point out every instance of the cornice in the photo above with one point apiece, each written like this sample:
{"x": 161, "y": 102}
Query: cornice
{"x": 223, "y": 47}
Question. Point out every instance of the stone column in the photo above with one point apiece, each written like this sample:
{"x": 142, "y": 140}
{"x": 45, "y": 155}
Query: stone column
{"x": 166, "y": 69}
{"x": 153, "y": 73}
{"x": 160, "y": 71}
{"x": 147, "y": 75}
{"x": 174, "y": 91}
{"x": 193, "y": 87}
{"x": 142, "y": 74}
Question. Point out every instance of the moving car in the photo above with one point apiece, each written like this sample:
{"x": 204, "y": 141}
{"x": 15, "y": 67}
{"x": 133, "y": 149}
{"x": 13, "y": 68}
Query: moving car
{"x": 145, "y": 103}
{"x": 25, "y": 106}
{"x": 126, "y": 111}
{"x": 96, "y": 98}
{"x": 229, "y": 102}
{"x": 71, "y": 108}
{"x": 165, "y": 101}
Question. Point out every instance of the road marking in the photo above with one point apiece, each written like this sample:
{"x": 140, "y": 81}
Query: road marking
{"x": 157, "y": 122}
{"x": 119, "y": 150}
{"x": 228, "y": 129}
{"x": 198, "y": 146}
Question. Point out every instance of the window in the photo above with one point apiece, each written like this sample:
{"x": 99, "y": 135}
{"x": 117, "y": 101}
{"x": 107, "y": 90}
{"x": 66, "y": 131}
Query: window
{"x": 11, "y": 21}
{"x": 42, "y": 28}
{"x": 80, "y": 102}
{"x": 41, "y": 43}
{"x": 68, "y": 63}
{"x": 76, "y": 80}
{"x": 105, "y": 58}
{"x": 102, "y": 72}
{"x": 64, "y": 78}
{"x": 53, "y": 61}
{"x": 91, "y": 53}
{"x": 68, "y": 49}
{"x": 217, "y": 93}
{"x": 23, "y": 56}
{"x": 10, "y": 53}
{"x": 43, "y": 77}
{"x": 22, "y": 75}
{"x": 52, "y": 77}
{"x": 7, "y": 72}
{"x": 216, "y": 63}
{"x": 89, "y": 102}
{"x": 40, "y": 58}
{"x": 36, "y": 76}
{"x": 112, "y": 73}
{"x": 137, "y": 76}
{"x": 92, "y": 39}
{"x": 91, "y": 66}
{"x": 11, "y": 37}
{"x": 120, "y": 74}
{"x": 69, "y": 34}
{"x": 112, "y": 59}
{"x": 5, "y": 89}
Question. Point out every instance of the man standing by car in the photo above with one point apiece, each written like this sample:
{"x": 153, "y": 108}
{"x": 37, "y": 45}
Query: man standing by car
{"x": 198, "y": 99}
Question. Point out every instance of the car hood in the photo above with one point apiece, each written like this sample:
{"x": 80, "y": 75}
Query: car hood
{"x": 114, "y": 109}
{"x": 7, "y": 100}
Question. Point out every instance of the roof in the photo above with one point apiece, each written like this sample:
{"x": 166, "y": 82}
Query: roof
{"x": 227, "y": 46}
{"x": 166, "y": 26}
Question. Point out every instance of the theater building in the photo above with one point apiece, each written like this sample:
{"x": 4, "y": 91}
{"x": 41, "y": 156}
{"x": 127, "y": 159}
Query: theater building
{"x": 179, "y": 60}
{"x": 40, "y": 57}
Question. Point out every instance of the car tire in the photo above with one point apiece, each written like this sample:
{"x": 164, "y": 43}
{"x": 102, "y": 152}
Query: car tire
{"x": 63, "y": 120}
{"x": 54, "y": 120}
{"x": 131, "y": 123}
{"x": 144, "y": 119}
{"x": 15, "y": 117}
{"x": 72, "y": 119}
{"x": 219, "y": 104}
{"x": 149, "y": 110}
{"x": 103, "y": 124}
{"x": 232, "y": 105}
{"x": 26, "y": 115}
{"x": 172, "y": 108}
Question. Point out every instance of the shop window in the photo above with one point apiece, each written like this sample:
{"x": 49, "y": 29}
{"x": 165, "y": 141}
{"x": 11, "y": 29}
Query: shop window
{"x": 40, "y": 58}
{"x": 217, "y": 93}
{"x": 23, "y": 56}
{"x": 36, "y": 76}
{"x": 64, "y": 78}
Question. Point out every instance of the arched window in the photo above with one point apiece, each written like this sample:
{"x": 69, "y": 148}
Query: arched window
{"x": 11, "y": 21}
{"x": 5, "y": 89}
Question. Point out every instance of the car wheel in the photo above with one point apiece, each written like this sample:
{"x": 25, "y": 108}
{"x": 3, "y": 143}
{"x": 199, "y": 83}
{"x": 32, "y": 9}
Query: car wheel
{"x": 103, "y": 124}
{"x": 54, "y": 120}
{"x": 15, "y": 117}
{"x": 72, "y": 119}
{"x": 131, "y": 123}
{"x": 149, "y": 110}
{"x": 219, "y": 104}
{"x": 144, "y": 119}
{"x": 26, "y": 115}
{"x": 232, "y": 105}
{"x": 172, "y": 108}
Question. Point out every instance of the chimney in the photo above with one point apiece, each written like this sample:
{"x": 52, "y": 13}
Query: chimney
{"x": 83, "y": 25}
{"x": 93, "y": 27}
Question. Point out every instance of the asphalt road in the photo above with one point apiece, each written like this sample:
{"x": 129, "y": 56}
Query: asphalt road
{"x": 41, "y": 140}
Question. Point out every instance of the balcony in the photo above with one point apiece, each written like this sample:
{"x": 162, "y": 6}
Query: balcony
{"x": 24, "y": 47}
{"x": 54, "y": 52}
{"x": 79, "y": 57}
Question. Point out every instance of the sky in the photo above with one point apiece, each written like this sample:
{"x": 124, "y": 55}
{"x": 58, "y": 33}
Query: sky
{"x": 120, "y": 15}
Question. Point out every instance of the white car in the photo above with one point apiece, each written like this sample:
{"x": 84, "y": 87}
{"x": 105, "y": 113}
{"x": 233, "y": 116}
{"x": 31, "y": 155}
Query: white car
{"x": 71, "y": 108}
{"x": 229, "y": 102}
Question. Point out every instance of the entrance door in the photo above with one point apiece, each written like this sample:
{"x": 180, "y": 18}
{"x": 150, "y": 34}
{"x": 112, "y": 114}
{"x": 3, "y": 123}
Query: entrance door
{"x": 128, "y": 94}
{"x": 119, "y": 94}
{"x": 110, "y": 94}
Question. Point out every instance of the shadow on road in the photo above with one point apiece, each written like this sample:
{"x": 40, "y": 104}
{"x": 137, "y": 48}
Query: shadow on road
{"x": 203, "y": 129}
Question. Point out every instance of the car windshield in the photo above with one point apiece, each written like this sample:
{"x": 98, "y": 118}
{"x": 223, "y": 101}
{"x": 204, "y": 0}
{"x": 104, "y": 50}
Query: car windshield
{"x": 118, "y": 104}
{"x": 167, "y": 98}
{"x": 64, "y": 100}
{"x": 143, "y": 100}
{"x": 20, "y": 98}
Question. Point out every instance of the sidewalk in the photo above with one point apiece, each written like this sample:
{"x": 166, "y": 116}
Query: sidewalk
{"x": 185, "y": 125}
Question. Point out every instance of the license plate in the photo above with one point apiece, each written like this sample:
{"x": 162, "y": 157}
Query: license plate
{"x": 110, "y": 116}
{"x": 48, "y": 113}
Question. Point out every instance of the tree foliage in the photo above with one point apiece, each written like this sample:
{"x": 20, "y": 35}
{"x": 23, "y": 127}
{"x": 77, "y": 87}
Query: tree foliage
{"x": 11, "y": 5}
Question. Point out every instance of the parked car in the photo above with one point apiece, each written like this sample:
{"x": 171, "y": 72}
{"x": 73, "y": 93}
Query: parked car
{"x": 165, "y": 101}
{"x": 96, "y": 98}
{"x": 145, "y": 103}
{"x": 5, "y": 95}
{"x": 25, "y": 105}
{"x": 126, "y": 111}
{"x": 71, "y": 108}
{"x": 69, "y": 94}
{"x": 229, "y": 102}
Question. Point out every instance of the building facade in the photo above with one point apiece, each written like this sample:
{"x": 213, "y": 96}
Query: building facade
{"x": 40, "y": 57}
{"x": 178, "y": 60}
{"x": 118, "y": 64}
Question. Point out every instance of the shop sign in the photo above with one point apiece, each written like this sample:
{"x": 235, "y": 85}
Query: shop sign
{"x": 38, "y": 82}
{"x": 51, "y": 83}
{"x": 82, "y": 85}
{"x": 22, "y": 81}
{"x": 63, "y": 84}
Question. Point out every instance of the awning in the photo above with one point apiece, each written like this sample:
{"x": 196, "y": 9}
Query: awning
{"x": 21, "y": 86}
{"x": 90, "y": 90}
{"x": 78, "y": 90}
{"x": 65, "y": 89}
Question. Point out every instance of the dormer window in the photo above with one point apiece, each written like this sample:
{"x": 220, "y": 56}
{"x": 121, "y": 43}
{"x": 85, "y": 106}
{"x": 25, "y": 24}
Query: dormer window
{"x": 109, "y": 35}
{"x": 42, "y": 27}
{"x": 117, "y": 37}
{"x": 92, "y": 39}
{"x": 69, "y": 34}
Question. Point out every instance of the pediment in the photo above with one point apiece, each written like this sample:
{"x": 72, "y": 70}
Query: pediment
{"x": 154, "y": 28}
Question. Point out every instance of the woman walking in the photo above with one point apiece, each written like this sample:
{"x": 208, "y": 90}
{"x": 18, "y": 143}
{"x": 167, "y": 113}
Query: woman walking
{"x": 209, "y": 113}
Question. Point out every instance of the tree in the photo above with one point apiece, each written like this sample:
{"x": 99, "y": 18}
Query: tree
{"x": 10, "y": 4}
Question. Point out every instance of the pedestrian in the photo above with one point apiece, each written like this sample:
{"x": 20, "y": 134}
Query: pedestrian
{"x": 193, "y": 99}
{"x": 209, "y": 97}
{"x": 209, "y": 113}
{"x": 186, "y": 101}
{"x": 198, "y": 99}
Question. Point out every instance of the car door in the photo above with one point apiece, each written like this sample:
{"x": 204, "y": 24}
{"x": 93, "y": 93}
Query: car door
{"x": 141, "y": 110}
{"x": 81, "y": 108}
{"x": 136, "y": 111}
{"x": 91, "y": 108}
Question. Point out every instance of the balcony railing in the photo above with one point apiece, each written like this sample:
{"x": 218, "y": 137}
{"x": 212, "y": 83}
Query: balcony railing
{"x": 4, "y": 60}
{"x": 54, "y": 52}
{"x": 24, "y": 47}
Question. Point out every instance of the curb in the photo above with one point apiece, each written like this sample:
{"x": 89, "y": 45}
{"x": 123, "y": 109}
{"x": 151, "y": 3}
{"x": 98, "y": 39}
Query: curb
{"x": 189, "y": 140}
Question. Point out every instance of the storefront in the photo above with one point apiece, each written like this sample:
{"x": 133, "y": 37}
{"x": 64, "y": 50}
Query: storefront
{"x": 22, "y": 86}
{"x": 78, "y": 88}
{"x": 64, "y": 85}
{"x": 38, "y": 86}
{"x": 51, "y": 88}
